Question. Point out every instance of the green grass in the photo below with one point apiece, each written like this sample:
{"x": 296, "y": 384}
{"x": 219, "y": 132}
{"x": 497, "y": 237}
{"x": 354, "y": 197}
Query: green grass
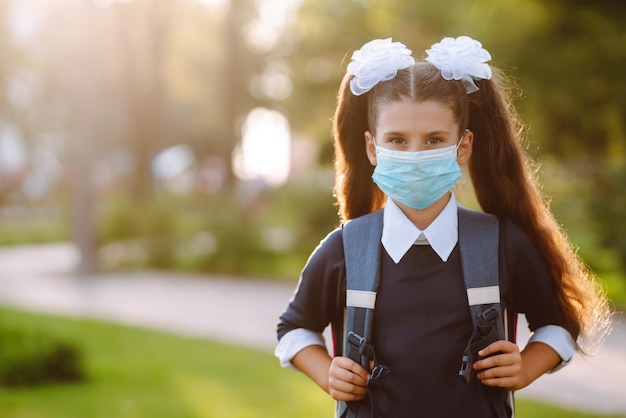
{"x": 32, "y": 231}
{"x": 526, "y": 408}
{"x": 139, "y": 373}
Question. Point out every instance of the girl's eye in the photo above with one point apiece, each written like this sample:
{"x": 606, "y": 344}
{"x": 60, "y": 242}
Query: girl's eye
{"x": 433, "y": 141}
{"x": 397, "y": 141}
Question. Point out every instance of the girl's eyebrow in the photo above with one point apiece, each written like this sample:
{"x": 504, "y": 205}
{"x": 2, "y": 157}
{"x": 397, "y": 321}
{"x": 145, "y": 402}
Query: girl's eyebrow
{"x": 428, "y": 134}
{"x": 438, "y": 133}
{"x": 391, "y": 133}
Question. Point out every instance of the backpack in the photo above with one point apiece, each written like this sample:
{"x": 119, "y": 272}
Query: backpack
{"x": 480, "y": 237}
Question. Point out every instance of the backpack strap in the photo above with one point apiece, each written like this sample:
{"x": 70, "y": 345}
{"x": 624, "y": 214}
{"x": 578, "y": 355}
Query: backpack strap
{"x": 361, "y": 239}
{"x": 361, "y": 246}
{"x": 481, "y": 244}
{"x": 479, "y": 249}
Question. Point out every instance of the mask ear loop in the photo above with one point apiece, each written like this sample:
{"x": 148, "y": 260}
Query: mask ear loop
{"x": 461, "y": 140}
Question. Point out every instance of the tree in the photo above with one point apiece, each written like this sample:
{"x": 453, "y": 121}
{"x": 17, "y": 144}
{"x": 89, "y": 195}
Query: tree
{"x": 143, "y": 41}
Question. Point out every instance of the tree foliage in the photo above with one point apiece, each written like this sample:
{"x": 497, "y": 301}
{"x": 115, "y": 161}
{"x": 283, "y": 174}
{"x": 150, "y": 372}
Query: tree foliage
{"x": 142, "y": 75}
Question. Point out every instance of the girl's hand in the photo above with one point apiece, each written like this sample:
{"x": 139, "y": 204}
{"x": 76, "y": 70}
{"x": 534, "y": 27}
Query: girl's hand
{"x": 347, "y": 380}
{"x": 504, "y": 369}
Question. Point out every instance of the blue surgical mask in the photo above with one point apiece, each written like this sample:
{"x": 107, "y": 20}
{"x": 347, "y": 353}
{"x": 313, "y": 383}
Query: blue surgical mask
{"x": 416, "y": 179}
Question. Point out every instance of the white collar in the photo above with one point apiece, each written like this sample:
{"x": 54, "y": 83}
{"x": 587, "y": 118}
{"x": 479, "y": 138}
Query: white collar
{"x": 399, "y": 233}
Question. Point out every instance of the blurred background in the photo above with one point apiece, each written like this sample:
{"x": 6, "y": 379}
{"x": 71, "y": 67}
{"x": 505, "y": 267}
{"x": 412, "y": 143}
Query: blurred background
{"x": 194, "y": 135}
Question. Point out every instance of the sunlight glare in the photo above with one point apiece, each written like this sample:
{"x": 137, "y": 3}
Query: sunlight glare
{"x": 105, "y": 3}
{"x": 273, "y": 18}
{"x": 213, "y": 3}
{"x": 265, "y": 149}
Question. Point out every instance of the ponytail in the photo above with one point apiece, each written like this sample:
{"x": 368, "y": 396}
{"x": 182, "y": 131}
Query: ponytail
{"x": 505, "y": 185}
{"x": 356, "y": 193}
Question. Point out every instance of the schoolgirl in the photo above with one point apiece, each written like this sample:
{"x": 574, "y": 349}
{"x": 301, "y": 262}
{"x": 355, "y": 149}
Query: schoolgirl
{"x": 402, "y": 129}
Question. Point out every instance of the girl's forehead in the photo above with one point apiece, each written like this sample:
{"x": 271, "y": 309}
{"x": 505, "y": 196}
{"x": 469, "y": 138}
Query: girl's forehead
{"x": 403, "y": 114}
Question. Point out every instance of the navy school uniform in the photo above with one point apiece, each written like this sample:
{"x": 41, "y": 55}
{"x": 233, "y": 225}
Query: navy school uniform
{"x": 422, "y": 321}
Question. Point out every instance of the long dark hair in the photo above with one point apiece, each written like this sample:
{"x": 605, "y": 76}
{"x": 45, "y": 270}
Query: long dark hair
{"x": 500, "y": 169}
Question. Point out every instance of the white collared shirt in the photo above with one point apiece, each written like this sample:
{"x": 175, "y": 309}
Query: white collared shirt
{"x": 398, "y": 236}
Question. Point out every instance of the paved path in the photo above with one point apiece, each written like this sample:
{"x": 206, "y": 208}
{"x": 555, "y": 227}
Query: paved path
{"x": 42, "y": 279}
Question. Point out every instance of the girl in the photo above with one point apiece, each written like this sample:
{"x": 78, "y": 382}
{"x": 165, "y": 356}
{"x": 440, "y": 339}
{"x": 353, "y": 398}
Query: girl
{"x": 401, "y": 131}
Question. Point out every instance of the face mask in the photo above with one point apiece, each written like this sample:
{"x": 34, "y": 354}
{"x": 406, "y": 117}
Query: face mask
{"x": 416, "y": 179}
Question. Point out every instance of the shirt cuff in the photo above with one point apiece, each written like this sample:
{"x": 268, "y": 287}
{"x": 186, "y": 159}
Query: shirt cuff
{"x": 559, "y": 339}
{"x": 293, "y": 342}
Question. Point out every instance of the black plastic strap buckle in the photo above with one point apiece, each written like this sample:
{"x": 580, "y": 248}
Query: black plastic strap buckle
{"x": 378, "y": 375}
{"x": 360, "y": 344}
{"x": 466, "y": 365}
{"x": 488, "y": 316}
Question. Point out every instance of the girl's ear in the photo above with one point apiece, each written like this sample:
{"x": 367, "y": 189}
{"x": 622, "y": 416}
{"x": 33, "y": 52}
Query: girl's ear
{"x": 370, "y": 147}
{"x": 464, "y": 152}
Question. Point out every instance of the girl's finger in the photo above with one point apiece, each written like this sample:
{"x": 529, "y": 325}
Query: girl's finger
{"x": 348, "y": 364}
{"x": 501, "y": 346}
{"x": 499, "y": 360}
{"x": 349, "y": 377}
{"x": 506, "y": 382}
{"x": 346, "y": 387}
{"x": 339, "y": 395}
{"x": 498, "y": 372}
